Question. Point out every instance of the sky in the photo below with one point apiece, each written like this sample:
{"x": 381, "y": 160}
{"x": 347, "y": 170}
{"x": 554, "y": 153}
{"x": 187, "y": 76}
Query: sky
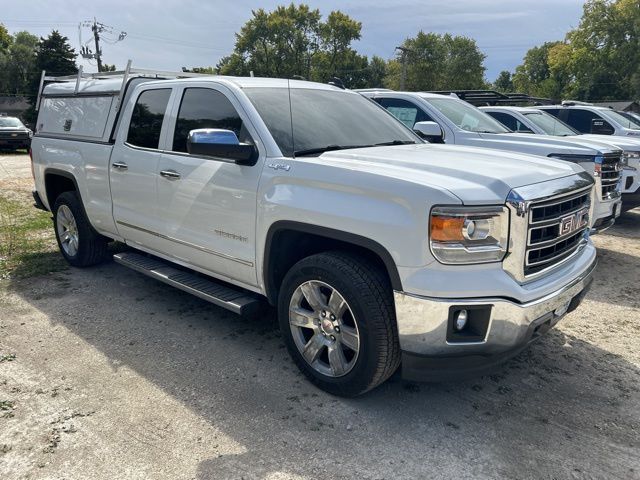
{"x": 170, "y": 34}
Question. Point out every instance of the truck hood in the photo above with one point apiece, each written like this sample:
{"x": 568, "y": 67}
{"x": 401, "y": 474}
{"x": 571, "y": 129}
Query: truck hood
{"x": 543, "y": 145}
{"x": 624, "y": 143}
{"x": 474, "y": 175}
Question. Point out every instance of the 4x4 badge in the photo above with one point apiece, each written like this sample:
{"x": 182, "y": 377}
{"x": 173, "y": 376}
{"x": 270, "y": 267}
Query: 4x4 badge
{"x": 280, "y": 166}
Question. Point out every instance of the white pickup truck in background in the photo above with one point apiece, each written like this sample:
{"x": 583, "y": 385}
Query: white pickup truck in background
{"x": 377, "y": 248}
{"x": 535, "y": 121}
{"x": 444, "y": 118}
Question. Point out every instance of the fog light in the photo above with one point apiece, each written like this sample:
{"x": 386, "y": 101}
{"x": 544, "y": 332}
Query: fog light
{"x": 460, "y": 320}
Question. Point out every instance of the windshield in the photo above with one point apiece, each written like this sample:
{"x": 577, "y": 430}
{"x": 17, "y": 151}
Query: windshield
{"x": 631, "y": 116}
{"x": 10, "y": 122}
{"x": 550, "y": 124}
{"x": 325, "y": 120}
{"x": 622, "y": 120}
{"x": 467, "y": 117}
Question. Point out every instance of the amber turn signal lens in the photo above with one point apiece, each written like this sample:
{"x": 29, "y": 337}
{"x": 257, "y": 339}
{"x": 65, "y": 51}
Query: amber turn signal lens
{"x": 446, "y": 229}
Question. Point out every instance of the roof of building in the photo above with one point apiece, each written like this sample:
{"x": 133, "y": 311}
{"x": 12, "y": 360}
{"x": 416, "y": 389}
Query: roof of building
{"x": 620, "y": 105}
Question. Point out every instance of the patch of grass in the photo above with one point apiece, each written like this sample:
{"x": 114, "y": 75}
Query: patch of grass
{"x": 27, "y": 240}
{"x": 8, "y": 357}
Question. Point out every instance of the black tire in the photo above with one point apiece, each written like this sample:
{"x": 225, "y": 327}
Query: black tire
{"x": 91, "y": 246}
{"x": 369, "y": 294}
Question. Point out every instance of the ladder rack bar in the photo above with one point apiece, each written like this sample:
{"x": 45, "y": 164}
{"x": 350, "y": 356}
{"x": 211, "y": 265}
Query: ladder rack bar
{"x": 78, "y": 80}
{"x": 40, "y": 88}
{"x": 125, "y": 77}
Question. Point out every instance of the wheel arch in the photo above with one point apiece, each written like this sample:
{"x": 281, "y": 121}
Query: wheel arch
{"x": 57, "y": 181}
{"x": 288, "y": 242}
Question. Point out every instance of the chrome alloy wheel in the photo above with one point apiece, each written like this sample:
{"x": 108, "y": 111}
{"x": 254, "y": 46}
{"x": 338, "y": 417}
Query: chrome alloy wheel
{"x": 67, "y": 230}
{"x": 324, "y": 328}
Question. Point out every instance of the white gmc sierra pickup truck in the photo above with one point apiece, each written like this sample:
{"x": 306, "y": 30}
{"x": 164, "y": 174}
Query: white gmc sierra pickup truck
{"x": 377, "y": 249}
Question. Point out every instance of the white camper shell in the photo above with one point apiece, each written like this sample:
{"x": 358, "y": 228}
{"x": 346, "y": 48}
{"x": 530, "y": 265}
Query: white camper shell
{"x": 85, "y": 106}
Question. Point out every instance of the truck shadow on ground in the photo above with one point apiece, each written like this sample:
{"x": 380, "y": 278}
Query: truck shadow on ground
{"x": 563, "y": 399}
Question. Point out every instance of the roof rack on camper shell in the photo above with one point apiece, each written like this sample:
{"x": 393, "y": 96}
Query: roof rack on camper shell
{"x": 117, "y": 79}
{"x": 492, "y": 97}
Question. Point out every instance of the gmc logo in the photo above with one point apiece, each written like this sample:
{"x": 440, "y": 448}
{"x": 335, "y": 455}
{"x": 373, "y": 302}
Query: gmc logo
{"x": 571, "y": 223}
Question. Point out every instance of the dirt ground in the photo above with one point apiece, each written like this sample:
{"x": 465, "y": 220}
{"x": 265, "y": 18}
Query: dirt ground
{"x": 106, "y": 374}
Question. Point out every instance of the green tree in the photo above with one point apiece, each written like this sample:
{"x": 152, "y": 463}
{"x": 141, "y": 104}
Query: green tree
{"x": 599, "y": 60}
{"x": 56, "y": 56}
{"x": 22, "y": 62}
{"x": 504, "y": 83}
{"x": 294, "y": 41}
{"x": 5, "y": 43}
{"x": 438, "y": 62}
{"x": 605, "y": 56}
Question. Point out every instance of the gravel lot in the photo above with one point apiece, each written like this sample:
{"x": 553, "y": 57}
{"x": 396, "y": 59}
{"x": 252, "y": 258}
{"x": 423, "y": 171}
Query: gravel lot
{"x": 107, "y": 374}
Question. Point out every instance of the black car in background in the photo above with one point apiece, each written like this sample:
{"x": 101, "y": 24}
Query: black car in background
{"x": 13, "y": 134}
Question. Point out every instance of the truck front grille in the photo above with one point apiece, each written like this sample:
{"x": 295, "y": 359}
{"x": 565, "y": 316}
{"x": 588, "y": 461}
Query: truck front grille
{"x": 556, "y": 229}
{"x": 610, "y": 175}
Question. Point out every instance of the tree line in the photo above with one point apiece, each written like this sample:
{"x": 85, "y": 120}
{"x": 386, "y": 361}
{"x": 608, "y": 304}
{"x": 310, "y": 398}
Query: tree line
{"x": 598, "y": 60}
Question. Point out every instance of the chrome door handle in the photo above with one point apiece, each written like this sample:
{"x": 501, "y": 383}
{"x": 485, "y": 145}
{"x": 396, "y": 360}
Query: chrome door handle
{"x": 119, "y": 165}
{"x": 170, "y": 174}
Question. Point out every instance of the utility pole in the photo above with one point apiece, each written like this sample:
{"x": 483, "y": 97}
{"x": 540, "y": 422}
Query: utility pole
{"x": 97, "y": 28}
{"x": 403, "y": 76}
{"x": 96, "y": 36}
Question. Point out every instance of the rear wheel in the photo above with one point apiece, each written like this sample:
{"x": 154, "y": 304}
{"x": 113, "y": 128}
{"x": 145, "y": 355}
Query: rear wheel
{"x": 337, "y": 318}
{"x": 79, "y": 243}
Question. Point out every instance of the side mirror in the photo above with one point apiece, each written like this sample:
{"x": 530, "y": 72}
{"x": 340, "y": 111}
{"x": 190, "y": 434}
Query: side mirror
{"x": 601, "y": 127}
{"x": 430, "y": 130}
{"x": 222, "y": 144}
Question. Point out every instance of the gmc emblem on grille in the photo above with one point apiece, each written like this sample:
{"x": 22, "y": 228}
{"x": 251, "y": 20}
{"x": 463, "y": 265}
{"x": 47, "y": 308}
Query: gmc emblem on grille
{"x": 571, "y": 223}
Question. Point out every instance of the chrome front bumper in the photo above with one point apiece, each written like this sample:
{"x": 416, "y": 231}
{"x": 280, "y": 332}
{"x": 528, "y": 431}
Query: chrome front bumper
{"x": 424, "y": 323}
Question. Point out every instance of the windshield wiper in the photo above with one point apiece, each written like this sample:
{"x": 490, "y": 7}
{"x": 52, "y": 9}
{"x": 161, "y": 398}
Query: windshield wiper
{"x": 394, "y": 142}
{"x": 328, "y": 148}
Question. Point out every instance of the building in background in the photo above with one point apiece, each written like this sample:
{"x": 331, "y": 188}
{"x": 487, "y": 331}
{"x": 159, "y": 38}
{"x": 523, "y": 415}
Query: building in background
{"x": 621, "y": 105}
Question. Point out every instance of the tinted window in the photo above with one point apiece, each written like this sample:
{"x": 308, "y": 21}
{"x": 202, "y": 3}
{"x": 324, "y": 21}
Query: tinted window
{"x": 147, "y": 117}
{"x": 504, "y": 118}
{"x": 405, "y": 111}
{"x": 552, "y": 111}
{"x": 205, "y": 108}
{"x": 581, "y": 119}
{"x": 324, "y": 118}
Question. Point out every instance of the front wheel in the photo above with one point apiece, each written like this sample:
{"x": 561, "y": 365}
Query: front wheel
{"x": 79, "y": 243}
{"x": 337, "y": 318}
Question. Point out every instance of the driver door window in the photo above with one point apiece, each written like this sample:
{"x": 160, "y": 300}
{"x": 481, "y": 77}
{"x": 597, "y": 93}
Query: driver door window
{"x": 405, "y": 111}
{"x": 206, "y": 108}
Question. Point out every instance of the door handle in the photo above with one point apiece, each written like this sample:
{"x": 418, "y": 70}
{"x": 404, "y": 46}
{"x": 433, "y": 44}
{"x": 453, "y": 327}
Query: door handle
{"x": 119, "y": 165}
{"x": 170, "y": 174}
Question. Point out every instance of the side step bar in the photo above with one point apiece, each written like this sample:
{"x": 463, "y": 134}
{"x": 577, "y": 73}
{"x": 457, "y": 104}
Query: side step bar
{"x": 237, "y": 301}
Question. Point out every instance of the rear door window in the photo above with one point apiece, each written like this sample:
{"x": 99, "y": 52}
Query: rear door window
{"x": 206, "y": 108}
{"x": 146, "y": 120}
{"x": 581, "y": 119}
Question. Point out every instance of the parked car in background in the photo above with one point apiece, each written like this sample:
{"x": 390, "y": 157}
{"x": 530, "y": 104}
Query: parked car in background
{"x": 587, "y": 118}
{"x": 444, "y": 118}
{"x": 536, "y": 121}
{"x": 376, "y": 247}
{"x": 13, "y": 134}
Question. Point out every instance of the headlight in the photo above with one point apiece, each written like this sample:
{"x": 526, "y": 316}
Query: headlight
{"x": 630, "y": 157}
{"x": 463, "y": 235}
{"x": 30, "y": 133}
